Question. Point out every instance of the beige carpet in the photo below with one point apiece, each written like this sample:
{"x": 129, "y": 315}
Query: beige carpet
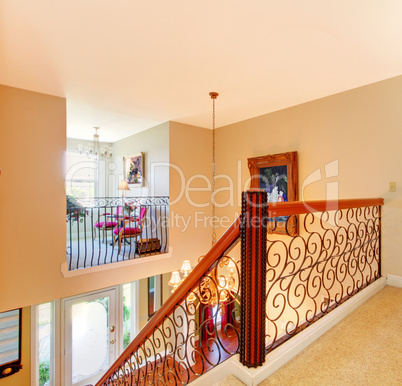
{"x": 363, "y": 349}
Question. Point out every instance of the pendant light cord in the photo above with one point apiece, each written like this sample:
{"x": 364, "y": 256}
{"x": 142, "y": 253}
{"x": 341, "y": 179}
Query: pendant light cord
{"x": 213, "y": 96}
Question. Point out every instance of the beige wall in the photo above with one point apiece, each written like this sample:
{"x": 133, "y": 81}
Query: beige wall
{"x": 361, "y": 129}
{"x": 32, "y": 206}
{"x": 190, "y": 156}
{"x": 32, "y": 199}
{"x": 154, "y": 143}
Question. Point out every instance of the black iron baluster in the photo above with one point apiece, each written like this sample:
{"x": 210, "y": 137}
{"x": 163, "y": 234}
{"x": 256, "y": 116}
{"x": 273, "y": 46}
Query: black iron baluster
{"x": 81, "y": 248}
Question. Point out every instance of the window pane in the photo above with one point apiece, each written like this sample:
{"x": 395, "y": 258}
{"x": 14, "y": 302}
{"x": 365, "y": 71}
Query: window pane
{"x": 81, "y": 189}
{"x": 130, "y": 307}
{"x": 44, "y": 320}
{"x": 81, "y": 176}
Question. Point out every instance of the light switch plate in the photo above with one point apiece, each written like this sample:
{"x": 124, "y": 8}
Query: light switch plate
{"x": 392, "y": 186}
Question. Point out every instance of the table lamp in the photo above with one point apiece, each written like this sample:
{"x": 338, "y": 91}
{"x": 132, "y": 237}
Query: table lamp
{"x": 123, "y": 185}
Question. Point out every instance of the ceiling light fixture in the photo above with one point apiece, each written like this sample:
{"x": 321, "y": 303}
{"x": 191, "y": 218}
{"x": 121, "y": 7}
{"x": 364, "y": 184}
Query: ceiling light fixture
{"x": 96, "y": 151}
{"x": 176, "y": 279}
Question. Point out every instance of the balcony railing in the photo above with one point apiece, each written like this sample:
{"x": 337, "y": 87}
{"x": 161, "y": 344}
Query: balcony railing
{"x": 280, "y": 285}
{"x": 107, "y": 230}
{"x": 336, "y": 255}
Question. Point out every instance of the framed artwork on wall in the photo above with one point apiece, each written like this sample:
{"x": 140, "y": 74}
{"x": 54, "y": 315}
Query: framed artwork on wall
{"x": 277, "y": 175}
{"x": 133, "y": 169}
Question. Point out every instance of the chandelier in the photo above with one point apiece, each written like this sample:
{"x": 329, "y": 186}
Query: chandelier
{"x": 176, "y": 280}
{"x": 95, "y": 151}
{"x": 214, "y": 288}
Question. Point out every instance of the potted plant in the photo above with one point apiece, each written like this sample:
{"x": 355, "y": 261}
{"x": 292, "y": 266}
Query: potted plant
{"x": 75, "y": 211}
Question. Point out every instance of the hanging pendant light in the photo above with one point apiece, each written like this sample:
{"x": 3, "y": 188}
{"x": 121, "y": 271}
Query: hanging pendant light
{"x": 176, "y": 280}
{"x": 213, "y": 96}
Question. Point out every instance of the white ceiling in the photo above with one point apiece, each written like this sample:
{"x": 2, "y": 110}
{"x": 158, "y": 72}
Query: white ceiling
{"x": 128, "y": 65}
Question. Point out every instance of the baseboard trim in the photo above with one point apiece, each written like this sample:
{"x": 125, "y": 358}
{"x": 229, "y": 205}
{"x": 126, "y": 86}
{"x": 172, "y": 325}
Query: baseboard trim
{"x": 394, "y": 281}
{"x": 291, "y": 348}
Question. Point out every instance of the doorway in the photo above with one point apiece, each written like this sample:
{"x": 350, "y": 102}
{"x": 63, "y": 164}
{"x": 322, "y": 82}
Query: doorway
{"x": 90, "y": 334}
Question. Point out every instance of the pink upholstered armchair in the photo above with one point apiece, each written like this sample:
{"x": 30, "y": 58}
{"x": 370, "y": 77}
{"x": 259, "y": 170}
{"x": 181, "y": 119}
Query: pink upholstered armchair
{"x": 132, "y": 227}
{"x": 109, "y": 222}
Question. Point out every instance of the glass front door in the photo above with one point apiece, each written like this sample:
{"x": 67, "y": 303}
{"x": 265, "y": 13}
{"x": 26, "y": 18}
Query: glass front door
{"x": 90, "y": 337}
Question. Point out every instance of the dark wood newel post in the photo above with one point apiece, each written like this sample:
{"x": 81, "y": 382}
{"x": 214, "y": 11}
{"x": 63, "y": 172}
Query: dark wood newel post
{"x": 253, "y": 231}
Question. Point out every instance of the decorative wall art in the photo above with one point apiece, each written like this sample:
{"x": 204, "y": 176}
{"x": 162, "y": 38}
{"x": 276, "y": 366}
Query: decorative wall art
{"x": 277, "y": 175}
{"x": 134, "y": 169}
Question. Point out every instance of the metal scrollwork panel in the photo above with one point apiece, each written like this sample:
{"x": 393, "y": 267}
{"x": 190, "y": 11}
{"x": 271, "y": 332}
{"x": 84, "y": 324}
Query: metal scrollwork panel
{"x": 336, "y": 255}
{"x": 201, "y": 332}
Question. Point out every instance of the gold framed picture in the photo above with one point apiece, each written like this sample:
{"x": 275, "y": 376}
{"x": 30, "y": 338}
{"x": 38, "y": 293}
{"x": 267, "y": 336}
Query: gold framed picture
{"x": 134, "y": 169}
{"x": 277, "y": 175}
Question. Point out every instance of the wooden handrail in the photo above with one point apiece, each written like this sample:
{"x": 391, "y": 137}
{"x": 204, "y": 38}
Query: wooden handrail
{"x": 277, "y": 209}
{"x": 224, "y": 242}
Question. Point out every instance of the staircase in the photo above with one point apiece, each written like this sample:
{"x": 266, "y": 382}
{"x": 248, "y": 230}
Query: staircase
{"x": 280, "y": 286}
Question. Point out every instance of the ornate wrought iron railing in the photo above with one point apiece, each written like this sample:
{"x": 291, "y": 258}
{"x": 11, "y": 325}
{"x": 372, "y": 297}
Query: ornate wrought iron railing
{"x": 105, "y": 230}
{"x": 195, "y": 330}
{"x": 335, "y": 255}
{"x": 280, "y": 286}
